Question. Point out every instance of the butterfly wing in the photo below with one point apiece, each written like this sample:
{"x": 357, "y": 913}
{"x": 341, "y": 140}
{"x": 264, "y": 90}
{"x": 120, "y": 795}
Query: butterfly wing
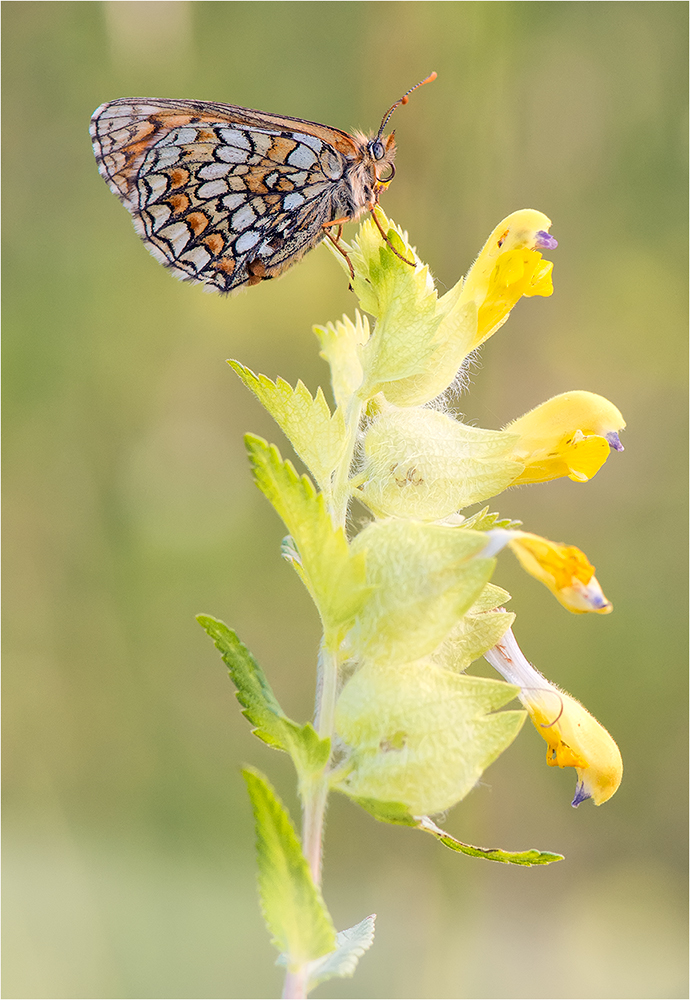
{"x": 220, "y": 194}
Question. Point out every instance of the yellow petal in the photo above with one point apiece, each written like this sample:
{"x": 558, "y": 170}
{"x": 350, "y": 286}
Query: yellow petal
{"x": 508, "y": 267}
{"x": 541, "y": 282}
{"x": 569, "y": 435}
{"x": 574, "y": 737}
{"x": 564, "y": 569}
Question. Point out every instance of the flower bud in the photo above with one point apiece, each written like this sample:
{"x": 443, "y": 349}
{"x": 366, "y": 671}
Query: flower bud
{"x": 564, "y": 569}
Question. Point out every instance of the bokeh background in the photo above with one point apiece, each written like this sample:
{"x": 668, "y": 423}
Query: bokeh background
{"x": 129, "y": 867}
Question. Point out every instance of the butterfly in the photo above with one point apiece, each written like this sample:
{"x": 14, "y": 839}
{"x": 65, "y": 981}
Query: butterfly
{"x": 229, "y": 197}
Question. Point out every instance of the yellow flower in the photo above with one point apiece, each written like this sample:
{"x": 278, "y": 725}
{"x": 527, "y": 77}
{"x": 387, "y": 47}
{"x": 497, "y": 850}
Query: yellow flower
{"x": 564, "y": 569}
{"x": 508, "y": 267}
{"x": 568, "y": 435}
{"x": 574, "y": 737}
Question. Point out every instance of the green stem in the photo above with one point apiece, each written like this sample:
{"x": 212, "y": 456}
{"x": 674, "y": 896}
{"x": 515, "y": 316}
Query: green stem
{"x": 315, "y": 794}
{"x": 341, "y": 483}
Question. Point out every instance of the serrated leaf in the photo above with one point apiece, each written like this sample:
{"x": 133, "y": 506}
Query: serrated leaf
{"x": 525, "y": 858}
{"x": 394, "y": 812}
{"x": 317, "y": 436}
{"x": 425, "y": 576}
{"x": 481, "y": 628}
{"x": 481, "y": 520}
{"x": 385, "y": 812}
{"x": 341, "y": 963}
{"x": 331, "y": 572}
{"x": 259, "y": 705}
{"x": 402, "y": 299}
{"x": 341, "y": 343}
{"x": 420, "y": 736}
{"x": 292, "y": 905}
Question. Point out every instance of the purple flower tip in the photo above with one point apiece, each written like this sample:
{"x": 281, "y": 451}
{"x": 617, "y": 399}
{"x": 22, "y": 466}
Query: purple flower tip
{"x": 614, "y": 441}
{"x": 581, "y": 794}
{"x": 544, "y": 241}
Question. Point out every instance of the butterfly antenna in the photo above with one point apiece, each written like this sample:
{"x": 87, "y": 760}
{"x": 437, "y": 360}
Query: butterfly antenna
{"x": 403, "y": 100}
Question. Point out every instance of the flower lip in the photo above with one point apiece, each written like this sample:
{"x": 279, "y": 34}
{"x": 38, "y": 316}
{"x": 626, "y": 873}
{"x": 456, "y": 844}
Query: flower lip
{"x": 574, "y": 738}
{"x": 581, "y": 794}
{"x": 544, "y": 241}
{"x": 564, "y": 569}
{"x": 614, "y": 440}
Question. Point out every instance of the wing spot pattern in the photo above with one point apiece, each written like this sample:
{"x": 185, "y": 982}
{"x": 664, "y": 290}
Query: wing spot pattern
{"x": 242, "y": 218}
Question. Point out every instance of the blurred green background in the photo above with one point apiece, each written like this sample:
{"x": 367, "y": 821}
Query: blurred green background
{"x": 129, "y": 867}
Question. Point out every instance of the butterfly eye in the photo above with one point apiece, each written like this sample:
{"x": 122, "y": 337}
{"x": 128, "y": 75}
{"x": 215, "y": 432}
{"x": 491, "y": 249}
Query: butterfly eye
{"x": 377, "y": 149}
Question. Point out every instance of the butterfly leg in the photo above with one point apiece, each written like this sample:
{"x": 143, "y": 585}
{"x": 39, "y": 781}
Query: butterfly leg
{"x": 336, "y": 240}
{"x": 387, "y": 241}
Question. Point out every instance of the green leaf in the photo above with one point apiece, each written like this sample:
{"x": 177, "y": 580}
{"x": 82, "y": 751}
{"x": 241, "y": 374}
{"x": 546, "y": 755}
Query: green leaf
{"x": 483, "y": 521}
{"x": 403, "y": 300}
{"x": 384, "y": 812}
{"x": 477, "y": 631}
{"x": 341, "y": 963}
{"x": 395, "y": 812}
{"x": 331, "y": 572}
{"x": 309, "y": 752}
{"x": 341, "y": 343}
{"x": 317, "y": 436}
{"x": 419, "y": 736}
{"x": 292, "y": 905}
{"x": 425, "y": 577}
{"x": 525, "y": 858}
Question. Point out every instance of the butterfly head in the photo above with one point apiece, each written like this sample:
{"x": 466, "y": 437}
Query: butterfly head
{"x": 382, "y": 153}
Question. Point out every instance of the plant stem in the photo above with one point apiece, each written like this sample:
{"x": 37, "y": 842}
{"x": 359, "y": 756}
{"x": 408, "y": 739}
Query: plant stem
{"x": 315, "y": 795}
{"x": 314, "y": 802}
{"x": 341, "y": 485}
{"x": 295, "y": 986}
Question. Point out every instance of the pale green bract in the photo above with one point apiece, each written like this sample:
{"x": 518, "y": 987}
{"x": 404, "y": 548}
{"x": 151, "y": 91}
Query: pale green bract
{"x": 341, "y": 963}
{"x": 477, "y": 631}
{"x": 424, "y": 464}
{"x": 421, "y": 735}
{"x": 419, "y": 341}
{"x": 341, "y": 343}
{"x": 401, "y": 620}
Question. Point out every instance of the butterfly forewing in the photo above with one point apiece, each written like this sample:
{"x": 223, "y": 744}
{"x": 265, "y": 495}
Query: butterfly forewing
{"x": 221, "y": 194}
